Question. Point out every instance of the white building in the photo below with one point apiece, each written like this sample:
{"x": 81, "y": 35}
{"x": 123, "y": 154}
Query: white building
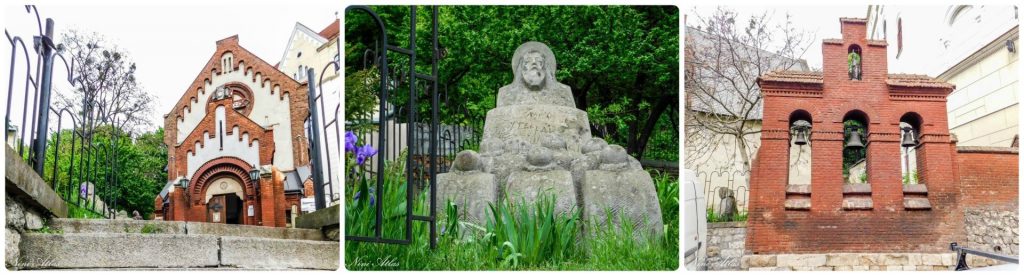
{"x": 976, "y": 48}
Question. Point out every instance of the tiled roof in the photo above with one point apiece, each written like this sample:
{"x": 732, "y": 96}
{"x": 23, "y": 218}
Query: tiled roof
{"x": 873, "y": 42}
{"x": 331, "y": 30}
{"x": 912, "y": 80}
{"x": 853, "y": 19}
{"x": 832, "y": 41}
{"x": 793, "y": 76}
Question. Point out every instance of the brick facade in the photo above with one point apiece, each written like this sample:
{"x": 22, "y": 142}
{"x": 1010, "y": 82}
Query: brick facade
{"x": 886, "y": 222}
{"x": 988, "y": 177}
{"x": 269, "y": 201}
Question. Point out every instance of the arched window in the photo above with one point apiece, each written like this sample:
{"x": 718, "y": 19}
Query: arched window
{"x": 855, "y": 144}
{"x": 854, "y": 62}
{"x": 800, "y": 148}
{"x": 910, "y": 137}
{"x": 798, "y": 186}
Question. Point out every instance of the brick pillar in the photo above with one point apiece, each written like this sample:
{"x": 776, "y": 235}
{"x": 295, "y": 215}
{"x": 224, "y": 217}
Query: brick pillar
{"x": 280, "y": 204}
{"x": 885, "y": 172}
{"x": 266, "y": 202}
{"x": 179, "y": 206}
{"x": 827, "y": 171}
{"x": 769, "y": 174}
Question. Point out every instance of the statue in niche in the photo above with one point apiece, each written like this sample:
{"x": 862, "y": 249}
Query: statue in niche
{"x": 853, "y": 60}
{"x": 533, "y": 66}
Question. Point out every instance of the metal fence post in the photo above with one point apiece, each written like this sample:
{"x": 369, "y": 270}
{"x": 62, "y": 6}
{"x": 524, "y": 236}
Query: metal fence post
{"x": 314, "y": 137}
{"x": 46, "y": 50}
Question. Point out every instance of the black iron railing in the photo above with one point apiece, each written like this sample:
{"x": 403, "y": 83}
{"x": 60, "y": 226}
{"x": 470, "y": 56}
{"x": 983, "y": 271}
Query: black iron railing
{"x": 321, "y": 144}
{"x": 77, "y": 156}
{"x": 961, "y": 256}
{"x": 418, "y": 137}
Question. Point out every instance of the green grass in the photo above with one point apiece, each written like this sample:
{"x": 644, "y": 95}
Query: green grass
{"x": 517, "y": 236}
{"x": 713, "y": 217}
{"x": 74, "y": 211}
{"x": 48, "y": 230}
{"x": 150, "y": 228}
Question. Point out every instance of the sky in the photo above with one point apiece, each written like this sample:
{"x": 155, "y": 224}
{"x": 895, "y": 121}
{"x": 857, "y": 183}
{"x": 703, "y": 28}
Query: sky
{"x": 921, "y": 43}
{"x": 170, "y": 44}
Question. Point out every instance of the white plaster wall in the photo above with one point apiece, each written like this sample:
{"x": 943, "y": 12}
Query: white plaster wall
{"x": 724, "y": 163}
{"x": 313, "y": 56}
{"x": 232, "y": 146}
{"x": 983, "y": 109}
{"x": 270, "y": 111}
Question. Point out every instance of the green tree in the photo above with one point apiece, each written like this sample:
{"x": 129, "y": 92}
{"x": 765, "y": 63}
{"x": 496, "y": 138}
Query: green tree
{"x": 127, "y": 171}
{"x": 621, "y": 63}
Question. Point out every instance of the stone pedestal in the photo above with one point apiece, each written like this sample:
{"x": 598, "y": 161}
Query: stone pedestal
{"x": 627, "y": 193}
{"x": 471, "y": 191}
{"x": 533, "y": 186}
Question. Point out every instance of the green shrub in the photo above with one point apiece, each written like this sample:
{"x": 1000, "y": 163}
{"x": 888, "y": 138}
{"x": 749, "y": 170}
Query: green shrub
{"x": 517, "y": 236}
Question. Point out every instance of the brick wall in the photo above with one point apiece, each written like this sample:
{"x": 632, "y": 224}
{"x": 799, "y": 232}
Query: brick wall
{"x": 887, "y": 225}
{"x": 989, "y": 185}
{"x": 988, "y": 177}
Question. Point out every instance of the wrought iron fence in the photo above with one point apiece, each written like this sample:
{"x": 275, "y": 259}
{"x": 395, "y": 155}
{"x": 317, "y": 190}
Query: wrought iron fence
{"x": 324, "y": 148}
{"x": 735, "y": 180}
{"x": 399, "y": 131}
{"x": 82, "y": 162}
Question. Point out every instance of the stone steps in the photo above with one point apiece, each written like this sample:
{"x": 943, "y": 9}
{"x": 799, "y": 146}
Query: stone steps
{"x": 81, "y": 226}
{"x": 173, "y": 251}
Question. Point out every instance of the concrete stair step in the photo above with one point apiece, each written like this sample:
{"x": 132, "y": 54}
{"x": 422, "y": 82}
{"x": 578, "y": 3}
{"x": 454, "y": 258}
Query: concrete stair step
{"x": 173, "y": 251}
{"x": 181, "y": 227}
{"x": 108, "y": 250}
{"x": 262, "y": 253}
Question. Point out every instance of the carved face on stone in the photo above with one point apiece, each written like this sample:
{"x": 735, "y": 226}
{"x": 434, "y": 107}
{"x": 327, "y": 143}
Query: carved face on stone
{"x": 533, "y": 66}
{"x": 533, "y": 70}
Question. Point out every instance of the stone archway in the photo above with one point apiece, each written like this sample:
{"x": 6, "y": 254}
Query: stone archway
{"x": 237, "y": 196}
{"x": 223, "y": 199}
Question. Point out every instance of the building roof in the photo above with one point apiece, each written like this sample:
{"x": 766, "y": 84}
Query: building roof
{"x": 901, "y": 80}
{"x": 853, "y": 20}
{"x": 793, "y": 76}
{"x": 331, "y": 30}
{"x": 912, "y": 80}
{"x": 294, "y": 179}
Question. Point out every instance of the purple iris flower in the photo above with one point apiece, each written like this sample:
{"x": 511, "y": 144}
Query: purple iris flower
{"x": 363, "y": 153}
{"x": 350, "y": 141}
{"x": 372, "y": 195}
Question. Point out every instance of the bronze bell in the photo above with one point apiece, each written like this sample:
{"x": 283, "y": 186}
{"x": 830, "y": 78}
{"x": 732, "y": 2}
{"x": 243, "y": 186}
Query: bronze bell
{"x": 855, "y": 141}
{"x": 908, "y": 139}
{"x": 801, "y": 130}
{"x": 801, "y": 138}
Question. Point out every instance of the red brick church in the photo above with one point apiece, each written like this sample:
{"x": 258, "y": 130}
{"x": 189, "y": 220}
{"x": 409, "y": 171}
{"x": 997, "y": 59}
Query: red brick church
{"x": 237, "y": 146}
{"x": 897, "y": 123}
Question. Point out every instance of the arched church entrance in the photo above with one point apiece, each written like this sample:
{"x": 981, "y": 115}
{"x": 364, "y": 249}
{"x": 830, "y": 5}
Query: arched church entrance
{"x": 223, "y": 200}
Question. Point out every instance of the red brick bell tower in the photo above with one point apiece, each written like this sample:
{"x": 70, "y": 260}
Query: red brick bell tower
{"x": 879, "y": 213}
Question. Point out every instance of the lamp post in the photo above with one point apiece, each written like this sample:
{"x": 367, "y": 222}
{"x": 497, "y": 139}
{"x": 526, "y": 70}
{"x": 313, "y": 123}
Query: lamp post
{"x": 184, "y": 186}
{"x": 254, "y": 177}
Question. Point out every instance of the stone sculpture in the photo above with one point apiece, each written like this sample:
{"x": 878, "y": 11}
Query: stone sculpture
{"x": 727, "y": 207}
{"x": 536, "y": 143}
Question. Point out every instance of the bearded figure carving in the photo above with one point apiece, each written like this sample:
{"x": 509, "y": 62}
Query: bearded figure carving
{"x": 533, "y": 66}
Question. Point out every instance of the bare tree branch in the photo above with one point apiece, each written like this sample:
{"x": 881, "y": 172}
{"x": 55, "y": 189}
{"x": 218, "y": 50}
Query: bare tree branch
{"x": 723, "y": 61}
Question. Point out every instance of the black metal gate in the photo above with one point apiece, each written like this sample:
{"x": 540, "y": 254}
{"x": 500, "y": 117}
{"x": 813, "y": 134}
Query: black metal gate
{"x": 420, "y": 169}
{"x": 83, "y": 171}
